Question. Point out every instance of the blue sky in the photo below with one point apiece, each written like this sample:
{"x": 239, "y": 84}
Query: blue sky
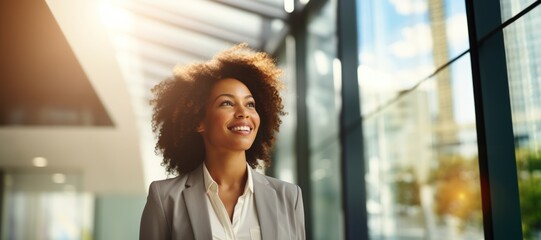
{"x": 396, "y": 49}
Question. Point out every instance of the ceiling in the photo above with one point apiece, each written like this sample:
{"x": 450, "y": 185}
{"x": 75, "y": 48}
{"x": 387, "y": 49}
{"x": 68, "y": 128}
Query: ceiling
{"x": 79, "y": 97}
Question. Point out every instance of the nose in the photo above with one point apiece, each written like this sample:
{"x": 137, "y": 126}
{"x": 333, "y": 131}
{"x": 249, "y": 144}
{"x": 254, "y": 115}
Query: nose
{"x": 241, "y": 112}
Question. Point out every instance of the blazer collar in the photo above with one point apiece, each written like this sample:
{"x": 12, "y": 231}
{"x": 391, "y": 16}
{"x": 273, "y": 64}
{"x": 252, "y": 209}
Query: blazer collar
{"x": 266, "y": 205}
{"x": 196, "y": 204}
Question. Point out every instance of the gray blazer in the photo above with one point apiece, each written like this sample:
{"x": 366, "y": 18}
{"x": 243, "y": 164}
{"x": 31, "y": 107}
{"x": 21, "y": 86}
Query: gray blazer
{"x": 176, "y": 209}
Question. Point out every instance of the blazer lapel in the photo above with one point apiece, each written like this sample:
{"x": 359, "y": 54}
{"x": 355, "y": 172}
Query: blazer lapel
{"x": 266, "y": 205}
{"x": 196, "y": 204}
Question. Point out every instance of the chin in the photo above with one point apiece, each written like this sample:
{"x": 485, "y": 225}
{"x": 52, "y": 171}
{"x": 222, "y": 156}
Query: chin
{"x": 242, "y": 147}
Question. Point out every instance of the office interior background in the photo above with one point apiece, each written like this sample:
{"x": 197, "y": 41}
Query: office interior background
{"x": 407, "y": 119}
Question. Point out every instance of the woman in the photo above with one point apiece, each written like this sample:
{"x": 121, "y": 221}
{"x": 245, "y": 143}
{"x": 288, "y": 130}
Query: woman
{"x": 215, "y": 123}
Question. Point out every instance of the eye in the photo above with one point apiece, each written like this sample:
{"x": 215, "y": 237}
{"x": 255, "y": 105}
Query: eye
{"x": 226, "y": 103}
{"x": 250, "y": 104}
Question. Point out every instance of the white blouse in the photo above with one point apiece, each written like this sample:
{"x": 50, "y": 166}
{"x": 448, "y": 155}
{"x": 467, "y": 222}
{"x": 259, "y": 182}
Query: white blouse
{"x": 245, "y": 225}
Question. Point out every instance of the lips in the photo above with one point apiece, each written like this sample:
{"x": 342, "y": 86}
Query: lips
{"x": 243, "y": 128}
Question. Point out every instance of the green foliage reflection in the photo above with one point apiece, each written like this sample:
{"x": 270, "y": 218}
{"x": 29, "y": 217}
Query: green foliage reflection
{"x": 529, "y": 183}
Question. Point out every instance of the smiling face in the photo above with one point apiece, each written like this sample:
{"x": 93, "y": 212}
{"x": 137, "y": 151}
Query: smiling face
{"x": 231, "y": 120}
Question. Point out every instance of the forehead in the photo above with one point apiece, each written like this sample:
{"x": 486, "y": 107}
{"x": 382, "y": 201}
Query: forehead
{"x": 229, "y": 86}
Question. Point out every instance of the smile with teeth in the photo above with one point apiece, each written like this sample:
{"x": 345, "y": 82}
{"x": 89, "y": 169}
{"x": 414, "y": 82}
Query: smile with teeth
{"x": 240, "y": 129}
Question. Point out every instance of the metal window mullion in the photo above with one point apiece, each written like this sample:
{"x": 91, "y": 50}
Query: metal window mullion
{"x": 351, "y": 136}
{"x": 499, "y": 185}
{"x": 302, "y": 145}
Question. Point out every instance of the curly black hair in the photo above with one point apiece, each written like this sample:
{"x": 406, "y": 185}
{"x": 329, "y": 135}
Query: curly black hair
{"x": 179, "y": 104}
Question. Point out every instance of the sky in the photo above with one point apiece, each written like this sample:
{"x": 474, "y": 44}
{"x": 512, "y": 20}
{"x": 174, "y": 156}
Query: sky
{"x": 396, "y": 51}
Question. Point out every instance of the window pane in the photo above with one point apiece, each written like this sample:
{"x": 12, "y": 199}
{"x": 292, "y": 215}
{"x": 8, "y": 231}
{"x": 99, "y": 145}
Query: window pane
{"x": 402, "y": 42}
{"x": 423, "y": 174}
{"x": 322, "y": 101}
{"x": 420, "y": 136}
{"x": 523, "y": 54}
{"x": 510, "y": 8}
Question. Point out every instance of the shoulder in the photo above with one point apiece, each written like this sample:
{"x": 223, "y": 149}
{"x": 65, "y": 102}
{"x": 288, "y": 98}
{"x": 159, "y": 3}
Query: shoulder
{"x": 279, "y": 183}
{"x": 168, "y": 186}
{"x": 280, "y": 186}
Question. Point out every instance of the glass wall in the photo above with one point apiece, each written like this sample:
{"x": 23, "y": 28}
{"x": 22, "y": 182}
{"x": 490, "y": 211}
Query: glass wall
{"x": 418, "y": 121}
{"x": 523, "y": 53}
{"x": 323, "y": 106}
{"x": 38, "y": 205}
{"x": 284, "y": 162}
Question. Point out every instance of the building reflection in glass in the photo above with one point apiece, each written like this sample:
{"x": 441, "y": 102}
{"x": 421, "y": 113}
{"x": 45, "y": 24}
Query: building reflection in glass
{"x": 419, "y": 129}
{"x": 523, "y": 55}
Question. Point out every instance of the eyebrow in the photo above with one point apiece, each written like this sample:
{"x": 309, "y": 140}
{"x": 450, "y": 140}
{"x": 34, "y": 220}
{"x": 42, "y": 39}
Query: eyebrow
{"x": 231, "y": 96}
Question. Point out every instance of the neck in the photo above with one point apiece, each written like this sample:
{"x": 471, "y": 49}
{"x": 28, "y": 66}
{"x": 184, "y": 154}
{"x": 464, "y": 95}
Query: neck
{"x": 227, "y": 168}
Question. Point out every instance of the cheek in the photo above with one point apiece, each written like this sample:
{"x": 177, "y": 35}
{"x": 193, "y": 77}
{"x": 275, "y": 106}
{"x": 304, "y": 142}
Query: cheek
{"x": 257, "y": 120}
{"x": 217, "y": 119}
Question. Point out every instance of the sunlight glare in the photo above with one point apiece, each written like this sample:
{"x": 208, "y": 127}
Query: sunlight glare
{"x": 115, "y": 17}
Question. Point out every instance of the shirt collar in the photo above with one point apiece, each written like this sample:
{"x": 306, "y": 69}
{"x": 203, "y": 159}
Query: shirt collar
{"x": 211, "y": 185}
